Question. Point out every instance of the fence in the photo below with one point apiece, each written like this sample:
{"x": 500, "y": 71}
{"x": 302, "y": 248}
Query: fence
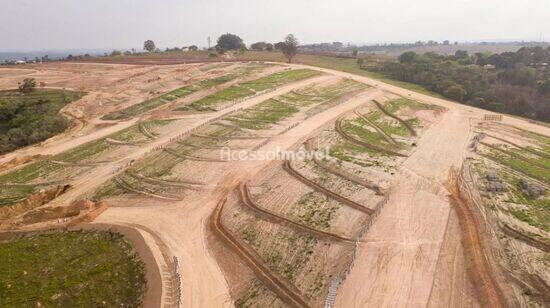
{"x": 177, "y": 280}
{"x": 492, "y": 117}
{"x": 337, "y": 281}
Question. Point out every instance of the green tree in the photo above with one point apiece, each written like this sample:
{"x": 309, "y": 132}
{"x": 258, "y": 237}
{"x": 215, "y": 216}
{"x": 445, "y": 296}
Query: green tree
{"x": 290, "y": 47}
{"x": 408, "y": 57}
{"x": 258, "y": 46}
{"x": 269, "y": 47}
{"x": 149, "y": 45}
{"x": 354, "y": 52}
{"x": 27, "y": 85}
{"x": 193, "y": 48}
{"x": 455, "y": 92}
{"x": 461, "y": 54}
{"x": 544, "y": 87}
{"x": 229, "y": 41}
{"x": 519, "y": 75}
{"x": 279, "y": 45}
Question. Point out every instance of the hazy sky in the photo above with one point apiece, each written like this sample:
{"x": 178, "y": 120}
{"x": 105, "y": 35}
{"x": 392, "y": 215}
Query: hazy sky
{"x": 53, "y": 24}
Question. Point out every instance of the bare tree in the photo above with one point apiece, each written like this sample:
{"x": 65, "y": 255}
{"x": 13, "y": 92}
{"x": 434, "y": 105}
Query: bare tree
{"x": 290, "y": 47}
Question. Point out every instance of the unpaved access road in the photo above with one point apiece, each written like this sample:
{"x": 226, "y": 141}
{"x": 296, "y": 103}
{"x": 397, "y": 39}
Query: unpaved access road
{"x": 397, "y": 259}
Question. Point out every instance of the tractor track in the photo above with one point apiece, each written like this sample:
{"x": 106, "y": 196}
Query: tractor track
{"x": 181, "y": 184}
{"x": 387, "y": 137}
{"x": 127, "y": 186}
{"x": 338, "y": 127}
{"x": 391, "y": 115}
{"x": 194, "y": 158}
{"x": 244, "y": 195}
{"x": 529, "y": 240}
{"x": 271, "y": 280}
{"x": 483, "y": 276}
{"x": 288, "y": 168}
{"x": 538, "y": 153}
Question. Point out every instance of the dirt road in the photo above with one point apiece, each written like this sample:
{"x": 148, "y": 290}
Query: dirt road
{"x": 396, "y": 264}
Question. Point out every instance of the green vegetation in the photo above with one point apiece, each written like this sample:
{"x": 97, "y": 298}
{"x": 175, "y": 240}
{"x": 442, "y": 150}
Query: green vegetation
{"x": 268, "y": 112}
{"x": 510, "y": 82}
{"x": 279, "y": 108}
{"x": 390, "y": 126}
{"x": 245, "y": 89}
{"x": 520, "y": 165}
{"x": 357, "y": 127}
{"x": 535, "y": 212}
{"x": 71, "y": 269}
{"x": 348, "y": 65}
{"x": 31, "y": 117}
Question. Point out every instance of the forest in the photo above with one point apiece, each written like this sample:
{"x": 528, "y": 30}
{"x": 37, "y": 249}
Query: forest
{"x": 516, "y": 83}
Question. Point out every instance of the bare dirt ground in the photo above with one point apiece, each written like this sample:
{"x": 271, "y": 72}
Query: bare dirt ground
{"x": 411, "y": 255}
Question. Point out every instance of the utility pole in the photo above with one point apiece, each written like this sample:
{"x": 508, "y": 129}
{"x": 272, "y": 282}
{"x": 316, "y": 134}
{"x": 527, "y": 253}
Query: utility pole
{"x": 208, "y": 42}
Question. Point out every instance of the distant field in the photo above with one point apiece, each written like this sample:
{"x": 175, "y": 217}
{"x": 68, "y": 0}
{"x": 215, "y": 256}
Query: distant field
{"x": 33, "y": 117}
{"x": 71, "y": 269}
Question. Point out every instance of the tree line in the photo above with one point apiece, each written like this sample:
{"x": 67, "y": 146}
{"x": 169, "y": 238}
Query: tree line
{"x": 232, "y": 42}
{"x": 510, "y": 82}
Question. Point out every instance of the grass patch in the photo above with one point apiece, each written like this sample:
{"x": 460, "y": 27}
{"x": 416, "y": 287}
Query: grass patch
{"x": 520, "y": 165}
{"x": 535, "y": 212}
{"x": 245, "y": 89}
{"x": 71, "y": 269}
{"x": 276, "y": 109}
{"x": 357, "y": 127}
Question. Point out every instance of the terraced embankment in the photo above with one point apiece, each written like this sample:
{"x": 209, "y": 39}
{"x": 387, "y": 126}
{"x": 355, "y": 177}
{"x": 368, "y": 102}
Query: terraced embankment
{"x": 244, "y": 194}
{"x": 275, "y": 283}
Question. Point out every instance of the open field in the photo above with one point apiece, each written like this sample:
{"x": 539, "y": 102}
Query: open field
{"x": 70, "y": 269}
{"x": 375, "y": 219}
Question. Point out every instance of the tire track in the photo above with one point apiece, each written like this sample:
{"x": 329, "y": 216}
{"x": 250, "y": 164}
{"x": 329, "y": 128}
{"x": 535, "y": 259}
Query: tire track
{"x": 510, "y": 153}
{"x": 338, "y": 127}
{"x": 529, "y": 240}
{"x": 275, "y": 283}
{"x": 194, "y": 158}
{"x": 244, "y": 194}
{"x": 387, "y": 137}
{"x": 484, "y": 279}
{"x": 540, "y": 154}
{"x": 391, "y": 115}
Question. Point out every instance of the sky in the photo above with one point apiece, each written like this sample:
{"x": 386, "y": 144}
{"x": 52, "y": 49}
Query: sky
{"x": 124, "y": 24}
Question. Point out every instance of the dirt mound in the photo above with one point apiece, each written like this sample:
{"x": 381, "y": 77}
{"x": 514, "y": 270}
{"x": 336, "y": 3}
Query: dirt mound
{"x": 32, "y": 201}
{"x": 78, "y": 212}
